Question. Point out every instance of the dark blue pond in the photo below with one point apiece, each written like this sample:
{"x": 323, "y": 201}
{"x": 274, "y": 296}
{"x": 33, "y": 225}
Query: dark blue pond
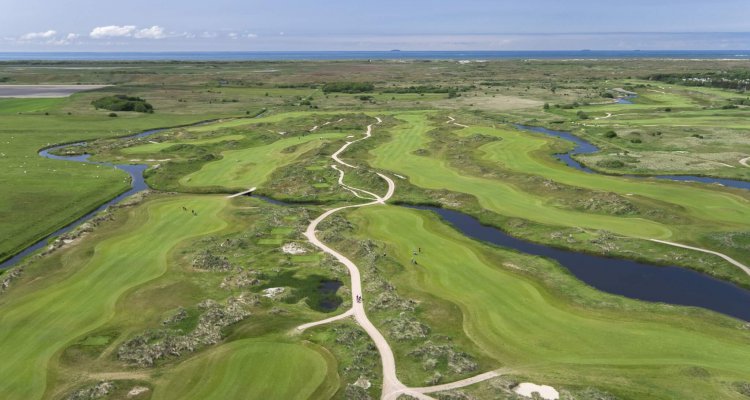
{"x": 584, "y": 147}
{"x": 636, "y": 280}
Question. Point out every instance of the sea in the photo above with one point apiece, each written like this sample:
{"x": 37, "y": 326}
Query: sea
{"x": 374, "y": 55}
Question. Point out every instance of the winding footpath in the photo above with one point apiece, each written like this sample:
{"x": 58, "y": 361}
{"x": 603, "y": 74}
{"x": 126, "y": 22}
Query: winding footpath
{"x": 392, "y": 386}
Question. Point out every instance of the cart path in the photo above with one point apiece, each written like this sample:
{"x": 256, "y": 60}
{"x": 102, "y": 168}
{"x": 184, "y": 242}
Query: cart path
{"x": 716, "y": 253}
{"x": 392, "y": 386}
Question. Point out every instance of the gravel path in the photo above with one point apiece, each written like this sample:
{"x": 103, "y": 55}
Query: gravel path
{"x": 392, "y": 386}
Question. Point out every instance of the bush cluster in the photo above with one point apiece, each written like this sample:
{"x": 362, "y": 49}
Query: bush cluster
{"x": 121, "y": 102}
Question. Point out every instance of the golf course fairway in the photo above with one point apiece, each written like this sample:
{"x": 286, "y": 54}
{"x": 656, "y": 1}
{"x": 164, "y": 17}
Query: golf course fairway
{"x": 39, "y": 323}
{"x": 644, "y": 352}
{"x": 244, "y": 168}
{"x": 248, "y": 369}
{"x": 716, "y": 210}
{"x": 398, "y": 156}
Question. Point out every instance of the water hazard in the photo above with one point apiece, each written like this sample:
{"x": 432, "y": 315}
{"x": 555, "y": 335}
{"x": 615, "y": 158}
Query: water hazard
{"x": 636, "y": 280}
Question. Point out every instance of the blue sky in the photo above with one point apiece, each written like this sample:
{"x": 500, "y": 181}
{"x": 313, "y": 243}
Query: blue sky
{"x": 224, "y": 25}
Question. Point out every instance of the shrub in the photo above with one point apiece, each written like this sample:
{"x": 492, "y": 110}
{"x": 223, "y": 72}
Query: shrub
{"x": 668, "y": 109}
{"x": 636, "y": 140}
{"x": 112, "y": 115}
{"x": 122, "y": 102}
{"x": 582, "y": 115}
{"x": 348, "y": 87}
{"x": 610, "y": 164}
{"x": 610, "y": 134}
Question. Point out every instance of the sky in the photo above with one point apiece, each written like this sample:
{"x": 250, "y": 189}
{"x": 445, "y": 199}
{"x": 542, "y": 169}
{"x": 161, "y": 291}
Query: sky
{"x": 298, "y": 25}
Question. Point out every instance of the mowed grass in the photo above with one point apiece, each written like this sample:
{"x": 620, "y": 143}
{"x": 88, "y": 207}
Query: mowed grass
{"x": 529, "y": 152}
{"x": 156, "y": 147}
{"x": 249, "y": 369}
{"x": 251, "y": 167}
{"x": 398, "y": 156}
{"x": 37, "y": 322}
{"x": 42, "y": 195}
{"x": 637, "y": 351}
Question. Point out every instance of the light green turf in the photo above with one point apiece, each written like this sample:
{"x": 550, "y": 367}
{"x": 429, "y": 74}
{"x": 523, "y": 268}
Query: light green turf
{"x": 528, "y": 152}
{"x": 39, "y": 323}
{"x": 638, "y": 354}
{"x": 397, "y": 156}
{"x": 248, "y": 369}
{"x": 251, "y": 167}
{"x": 156, "y": 147}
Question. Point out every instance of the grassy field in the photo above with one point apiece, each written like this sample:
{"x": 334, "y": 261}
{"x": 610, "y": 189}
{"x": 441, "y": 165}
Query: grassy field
{"x": 190, "y": 295}
{"x": 252, "y": 370}
{"x": 48, "y": 194}
{"x": 251, "y": 167}
{"x": 37, "y": 326}
{"x": 537, "y": 332}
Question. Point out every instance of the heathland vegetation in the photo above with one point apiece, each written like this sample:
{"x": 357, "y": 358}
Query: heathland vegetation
{"x": 186, "y": 292}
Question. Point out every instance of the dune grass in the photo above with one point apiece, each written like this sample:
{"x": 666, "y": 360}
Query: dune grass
{"x": 250, "y": 369}
{"x": 39, "y": 321}
{"x": 636, "y": 350}
{"x": 156, "y": 147}
{"x": 251, "y": 167}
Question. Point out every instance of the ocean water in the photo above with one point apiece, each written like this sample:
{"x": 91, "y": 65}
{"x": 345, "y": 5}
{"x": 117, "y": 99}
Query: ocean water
{"x": 372, "y": 55}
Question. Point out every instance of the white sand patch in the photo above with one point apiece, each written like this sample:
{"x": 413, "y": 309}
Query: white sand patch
{"x": 745, "y": 161}
{"x": 293, "y": 248}
{"x": 399, "y": 176}
{"x": 137, "y": 390}
{"x": 526, "y": 389}
{"x": 363, "y": 382}
{"x": 282, "y": 133}
{"x": 273, "y": 292}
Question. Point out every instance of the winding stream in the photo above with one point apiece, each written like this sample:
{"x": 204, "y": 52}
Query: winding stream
{"x": 664, "y": 284}
{"x": 137, "y": 184}
{"x": 585, "y": 147}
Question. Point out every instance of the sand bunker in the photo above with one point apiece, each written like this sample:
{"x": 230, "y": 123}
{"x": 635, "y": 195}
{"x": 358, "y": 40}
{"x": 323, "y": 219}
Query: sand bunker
{"x": 526, "y": 389}
{"x": 293, "y": 248}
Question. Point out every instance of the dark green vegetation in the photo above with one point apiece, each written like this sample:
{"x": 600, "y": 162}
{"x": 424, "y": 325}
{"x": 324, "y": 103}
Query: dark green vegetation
{"x": 121, "y": 102}
{"x": 188, "y": 294}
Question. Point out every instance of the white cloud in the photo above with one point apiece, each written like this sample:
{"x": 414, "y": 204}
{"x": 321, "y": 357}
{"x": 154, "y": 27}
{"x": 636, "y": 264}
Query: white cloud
{"x": 154, "y": 32}
{"x": 72, "y": 36}
{"x": 251, "y": 35}
{"x": 112, "y": 31}
{"x": 209, "y": 35}
{"x": 39, "y": 35}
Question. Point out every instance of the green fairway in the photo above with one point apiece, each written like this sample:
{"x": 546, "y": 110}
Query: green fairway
{"x": 156, "y": 147}
{"x": 524, "y": 151}
{"x": 248, "y": 369}
{"x": 39, "y": 323}
{"x": 43, "y": 195}
{"x": 540, "y": 333}
{"x": 398, "y": 156}
{"x": 251, "y": 167}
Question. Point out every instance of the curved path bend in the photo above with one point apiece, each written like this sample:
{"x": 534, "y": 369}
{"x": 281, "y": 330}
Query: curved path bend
{"x": 716, "y": 253}
{"x": 392, "y": 386}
